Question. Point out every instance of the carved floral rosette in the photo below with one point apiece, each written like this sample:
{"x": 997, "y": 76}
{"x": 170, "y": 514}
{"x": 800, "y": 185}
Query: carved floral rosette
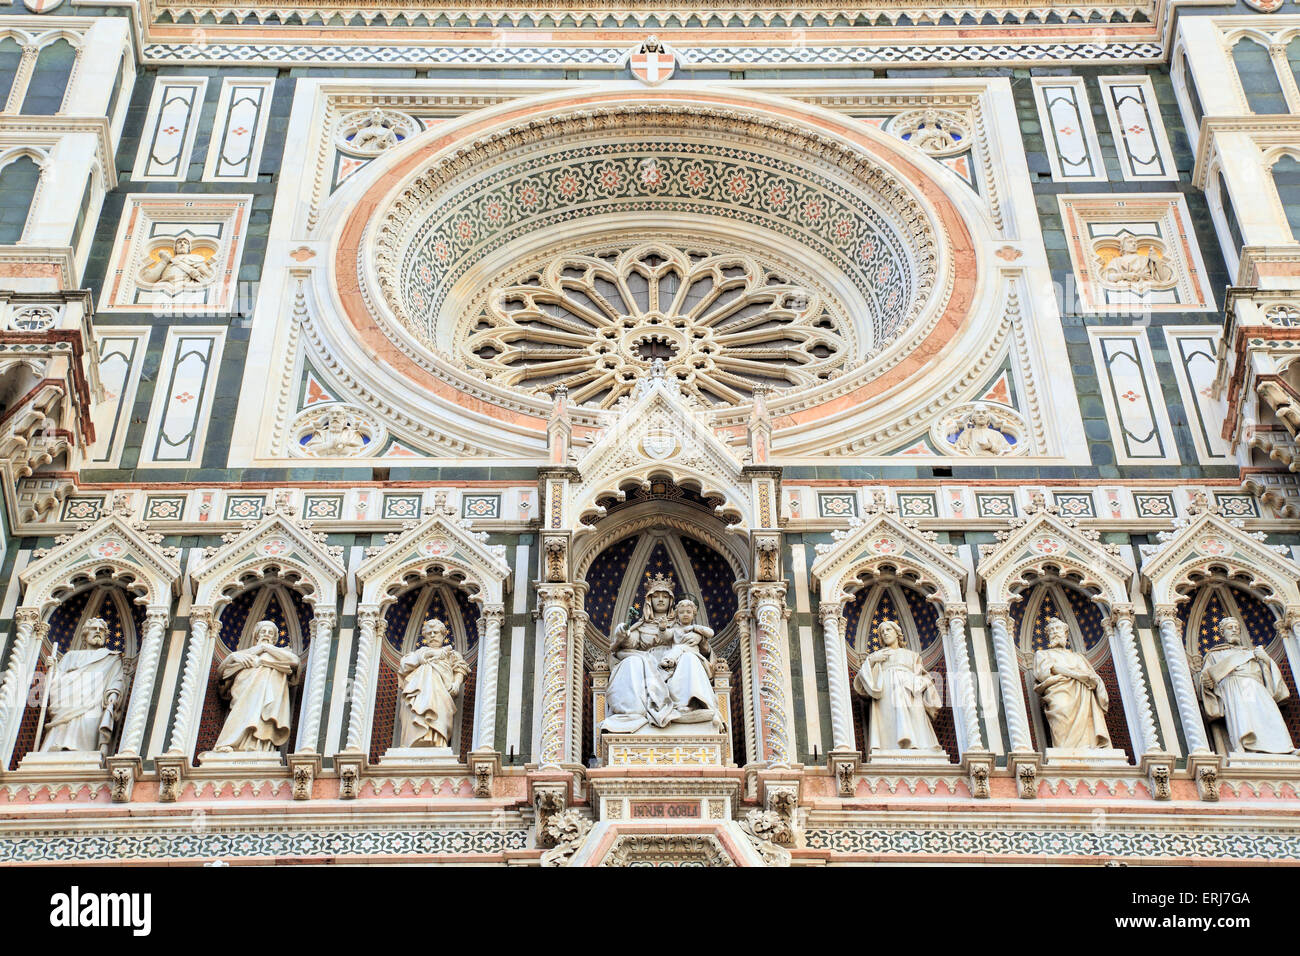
{"x": 402, "y": 126}
{"x": 308, "y": 433}
{"x": 948, "y": 428}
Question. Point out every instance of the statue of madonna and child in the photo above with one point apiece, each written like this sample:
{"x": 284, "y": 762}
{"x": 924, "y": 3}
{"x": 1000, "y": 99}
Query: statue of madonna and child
{"x": 661, "y": 669}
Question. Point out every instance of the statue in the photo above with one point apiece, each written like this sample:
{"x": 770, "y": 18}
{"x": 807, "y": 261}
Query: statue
{"x": 688, "y": 662}
{"x": 432, "y": 676}
{"x": 930, "y": 135}
{"x": 660, "y": 668}
{"x": 904, "y": 698}
{"x": 340, "y": 438}
{"x": 978, "y": 436}
{"x": 1138, "y": 271}
{"x": 375, "y": 135}
{"x": 178, "y": 269}
{"x": 258, "y": 679}
{"x": 1074, "y": 698}
{"x": 87, "y": 693}
{"x": 1243, "y": 685}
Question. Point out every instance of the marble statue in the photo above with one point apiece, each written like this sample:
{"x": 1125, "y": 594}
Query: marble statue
{"x": 340, "y": 438}
{"x": 375, "y": 135}
{"x": 930, "y": 136}
{"x": 178, "y": 269}
{"x": 259, "y": 678}
{"x": 1243, "y": 685}
{"x": 1074, "y": 698}
{"x": 660, "y": 668}
{"x": 904, "y": 698}
{"x": 86, "y": 695}
{"x": 1135, "y": 270}
{"x": 978, "y": 436}
{"x": 688, "y": 663}
{"x": 432, "y": 676}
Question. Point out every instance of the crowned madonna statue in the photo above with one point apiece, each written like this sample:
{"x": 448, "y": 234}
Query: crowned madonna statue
{"x": 661, "y": 670}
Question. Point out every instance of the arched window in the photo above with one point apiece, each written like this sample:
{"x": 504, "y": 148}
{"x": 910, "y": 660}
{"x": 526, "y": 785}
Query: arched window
{"x": 1189, "y": 81}
{"x": 18, "y": 182}
{"x": 49, "y": 82}
{"x": 1258, "y": 77}
{"x": 444, "y": 601}
{"x": 887, "y": 597}
{"x": 1200, "y": 615}
{"x": 277, "y": 601}
{"x": 1230, "y": 215}
{"x": 1040, "y": 602}
{"x": 11, "y": 54}
{"x": 88, "y": 599}
{"x": 1286, "y": 177}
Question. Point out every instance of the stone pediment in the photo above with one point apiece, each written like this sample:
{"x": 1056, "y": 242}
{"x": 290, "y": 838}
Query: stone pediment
{"x": 277, "y": 539}
{"x": 440, "y": 537}
{"x": 1044, "y": 540}
{"x": 112, "y": 542}
{"x": 882, "y": 538}
{"x": 1208, "y": 540}
{"x": 659, "y": 432}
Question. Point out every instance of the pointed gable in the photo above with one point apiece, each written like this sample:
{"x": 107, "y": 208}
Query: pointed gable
{"x": 125, "y": 548}
{"x": 440, "y": 538}
{"x": 1045, "y": 540}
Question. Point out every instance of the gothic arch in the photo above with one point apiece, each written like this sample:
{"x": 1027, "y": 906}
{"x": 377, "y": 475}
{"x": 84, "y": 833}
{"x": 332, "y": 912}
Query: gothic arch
{"x": 438, "y": 549}
{"x": 277, "y": 549}
{"x": 1046, "y": 544}
{"x": 1194, "y": 548}
{"x": 706, "y": 562}
{"x": 884, "y": 551}
{"x": 111, "y": 551}
{"x": 883, "y": 540}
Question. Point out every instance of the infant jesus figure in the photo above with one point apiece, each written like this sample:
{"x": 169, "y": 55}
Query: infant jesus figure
{"x": 688, "y": 663}
{"x": 686, "y": 635}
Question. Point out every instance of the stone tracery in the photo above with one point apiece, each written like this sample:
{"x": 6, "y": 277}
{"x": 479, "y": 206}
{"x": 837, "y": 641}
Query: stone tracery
{"x": 721, "y": 321}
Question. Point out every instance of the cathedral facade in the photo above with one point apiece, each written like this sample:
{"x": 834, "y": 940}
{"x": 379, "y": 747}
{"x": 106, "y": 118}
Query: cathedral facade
{"x": 650, "y": 434}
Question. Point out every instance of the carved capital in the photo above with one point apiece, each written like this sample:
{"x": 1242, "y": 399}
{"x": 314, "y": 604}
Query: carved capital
{"x": 767, "y": 594}
{"x": 493, "y": 613}
{"x": 325, "y": 619}
{"x": 30, "y": 616}
{"x": 999, "y": 612}
{"x": 1165, "y": 612}
{"x": 831, "y": 611}
{"x": 955, "y": 613}
{"x": 553, "y": 596}
{"x": 1120, "y": 613}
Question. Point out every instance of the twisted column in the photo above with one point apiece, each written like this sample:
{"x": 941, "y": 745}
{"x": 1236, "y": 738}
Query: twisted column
{"x": 775, "y": 729}
{"x": 1013, "y": 697}
{"x": 360, "y": 691}
{"x": 1127, "y": 639}
{"x": 965, "y": 704}
{"x": 1180, "y": 675}
{"x": 146, "y": 671}
{"x": 30, "y": 630}
{"x": 195, "y": 653}
{"x": 322, "y": 626}
{"x": 489, "y": 659}
{"x": 831, "y": 615}
{"x": 553, "y": 742}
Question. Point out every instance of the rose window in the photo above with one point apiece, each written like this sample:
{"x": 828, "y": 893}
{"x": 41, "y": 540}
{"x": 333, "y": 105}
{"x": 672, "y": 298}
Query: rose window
{"x": 721, "y": 322}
